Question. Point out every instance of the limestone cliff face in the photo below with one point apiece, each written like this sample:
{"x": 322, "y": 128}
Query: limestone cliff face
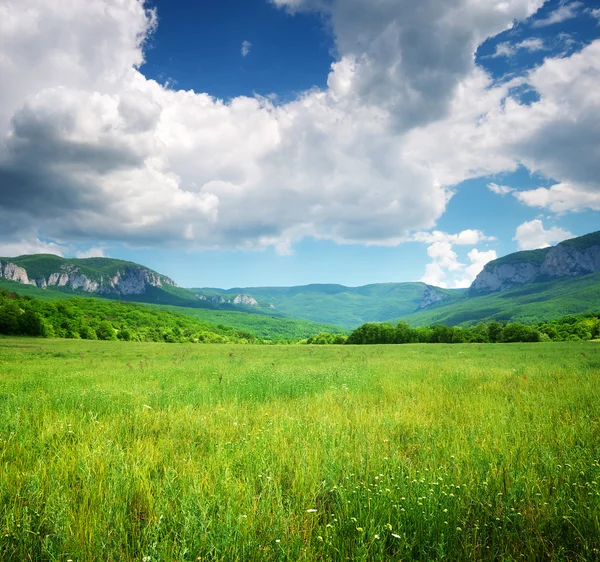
{"x": 133, "y": 281}
{"x": 572, "y": 258}
{"x": 15, "y": 273}
{"x": 504, "y": 277}
{"x": 563, "y": 261}
{"x": 245, "y": 299}
{"x": 238, "y": 299}
{"x": 129, "y": 280}
{"x": 431, "y": 296}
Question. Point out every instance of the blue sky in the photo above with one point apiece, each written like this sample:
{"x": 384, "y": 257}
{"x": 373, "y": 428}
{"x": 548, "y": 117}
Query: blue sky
{"x": 285, "y": 142}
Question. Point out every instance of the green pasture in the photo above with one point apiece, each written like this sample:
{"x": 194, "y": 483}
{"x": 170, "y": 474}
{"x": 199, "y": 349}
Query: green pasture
{"x": 115, "y": 451}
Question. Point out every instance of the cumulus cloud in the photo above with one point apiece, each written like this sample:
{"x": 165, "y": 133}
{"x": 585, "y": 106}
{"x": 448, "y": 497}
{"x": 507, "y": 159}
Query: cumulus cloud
{"x": 91, "y": 149}
{"x": 499, "y": 189}
{"x": 532, "y": 235}
{"x": 489, "y": 130}
{"x": 445, "y": 270}
{"x": 11, "y": 249}
{"x": 477, "y": 260}
{"x": 246, "y": 46}
{"x": 563, "y": 13}
{"x": 97, "y": 252}
{"x": 560, "y": 198}
{"x": 408, "y": 57}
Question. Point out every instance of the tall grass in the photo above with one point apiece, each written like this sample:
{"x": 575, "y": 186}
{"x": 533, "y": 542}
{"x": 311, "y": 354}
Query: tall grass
{"x": 115, "y": 451}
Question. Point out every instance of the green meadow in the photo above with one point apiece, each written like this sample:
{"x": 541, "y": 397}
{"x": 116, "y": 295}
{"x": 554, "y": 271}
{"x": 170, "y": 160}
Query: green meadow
{"x": 119, "y": 451}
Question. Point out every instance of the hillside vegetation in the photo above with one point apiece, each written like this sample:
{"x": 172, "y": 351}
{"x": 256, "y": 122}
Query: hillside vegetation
{"x": 340, "y": 305}
{"x": 530, "y": 304}
{"x": 106, "y": 320}
{"x": 90, "y": 318}
{"x": 526, "y": 287}
{"x": 261, "y": 325}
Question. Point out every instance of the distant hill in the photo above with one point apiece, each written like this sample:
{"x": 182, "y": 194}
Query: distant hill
{"x": 340, "y": 305}
{"x": 101, "y": 277}
{"x": 530, "y": 286}
{"x": 260, "y": 325}
{"x": 529, "y": 303}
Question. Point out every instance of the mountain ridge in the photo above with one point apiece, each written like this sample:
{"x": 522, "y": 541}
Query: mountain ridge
{"x": 571, "y": 258}
{"x": 104, "y": 276}
{"x": 530, "y": 284}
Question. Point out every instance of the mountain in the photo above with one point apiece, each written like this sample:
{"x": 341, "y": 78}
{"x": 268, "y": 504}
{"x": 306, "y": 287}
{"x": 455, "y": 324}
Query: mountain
{"x": 529, "y": 303}
{"x": 91, "y": 275}
{"x": 527, "y": 286}
{"x": 571, "y": 258}
{"x": 336, "y": 304}
{"x": 531, "y": 286}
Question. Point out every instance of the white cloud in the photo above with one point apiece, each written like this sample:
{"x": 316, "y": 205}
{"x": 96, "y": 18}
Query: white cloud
{"x": 445, "y": 269}
{"x": 504, "y": 50}
{"x": 478, "y": 261}
{"x": 532, "y": 235}
{"x": 91, "y": 149}
{"x": 499, "y": 189}
{"x": 562, "y": 13}
{"x": 11, "y": 249}
{"x": 532, "y": 44}
{"x": 509, "y": 49}
{"x": 246, "y": 46}
{"x": 488, "y": 131}
{"x": 91, "y": 253}
{"x": 560, "y": 198}
{"x": 434, "y": 275}
{"x": 595, "y": 13}
{"x": 467, "y": 237}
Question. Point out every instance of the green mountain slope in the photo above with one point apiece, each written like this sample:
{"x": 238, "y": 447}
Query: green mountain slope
{"x": 259, "y": 324}
{"x": 531, "y": 303}
{"x": 337, "y": 304}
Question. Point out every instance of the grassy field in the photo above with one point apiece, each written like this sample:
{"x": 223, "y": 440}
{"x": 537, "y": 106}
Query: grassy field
{"x": 115, "y": 451}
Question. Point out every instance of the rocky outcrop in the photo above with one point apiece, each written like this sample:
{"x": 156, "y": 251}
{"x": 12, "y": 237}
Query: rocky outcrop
{"x": 505, "y": 276}
{"x": 132, "y": 281}
{"x": 129, "y": 280}
{"x": 13, "y": 272}
{"x": 246, "y": 300}
{"x": 216, "y": 299}
{"x": 431, "y": 295}
{"x": 569, "y": 261}
{"x": 572, "y": 258}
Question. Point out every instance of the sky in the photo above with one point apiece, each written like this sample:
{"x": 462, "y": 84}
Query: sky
{"x": 239, "y": 143}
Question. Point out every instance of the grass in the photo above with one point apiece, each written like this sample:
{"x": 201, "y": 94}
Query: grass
{"x": 117, "y": 451}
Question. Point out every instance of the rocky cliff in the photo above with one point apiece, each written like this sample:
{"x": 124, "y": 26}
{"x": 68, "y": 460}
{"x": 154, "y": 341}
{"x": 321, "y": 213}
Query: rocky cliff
{"x": 571, "y": 258}
{"x": 238, "y": 299}
{"x": 125, "y": 280}
{"x": 431, "y": 295}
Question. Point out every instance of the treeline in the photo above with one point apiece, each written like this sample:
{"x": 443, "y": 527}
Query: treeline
{"x": 569, "y": 328}
{"x": 95, "y": 319}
